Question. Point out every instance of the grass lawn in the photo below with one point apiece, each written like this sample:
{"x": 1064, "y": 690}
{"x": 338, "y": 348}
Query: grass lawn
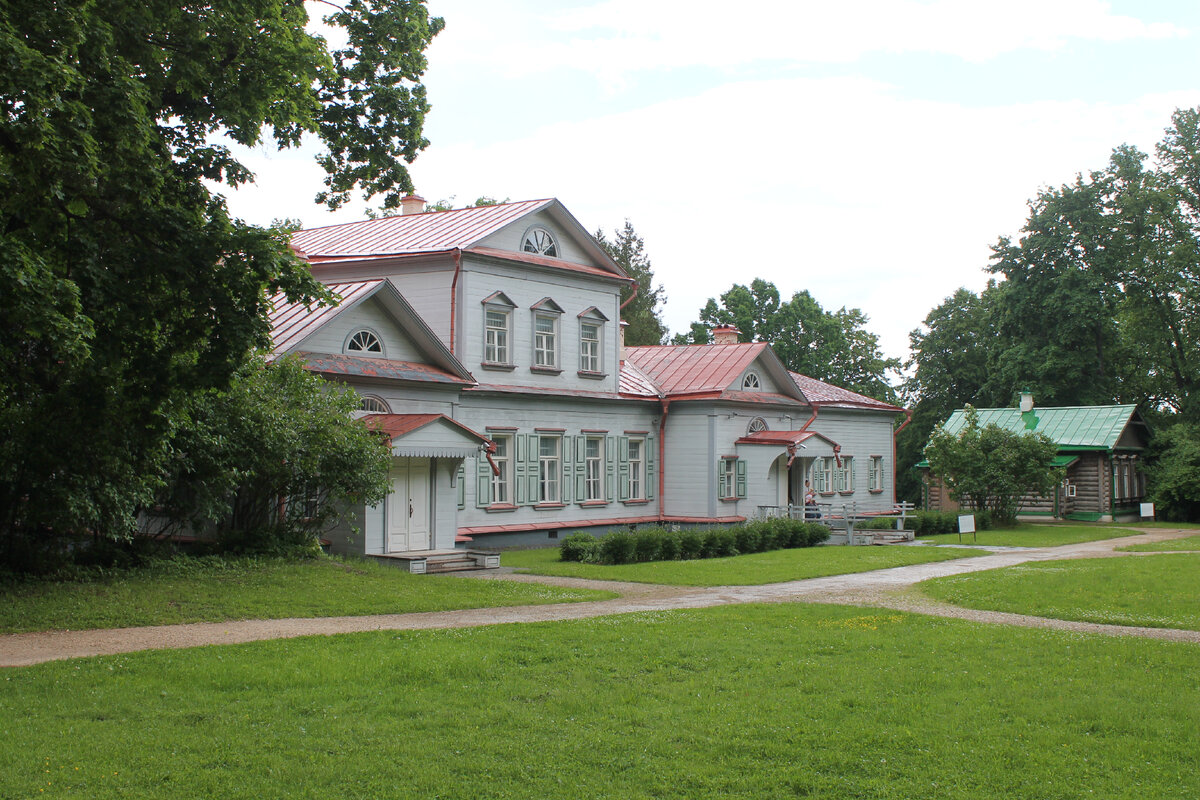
{"x": 1186, "y": 543}
{"x": 1034, "y": 535}
{"x": 1157, "y": 591}
{"x": 747, "y": 701}
{"x": 774, "y": 566}
{"x": 212, "y": 590}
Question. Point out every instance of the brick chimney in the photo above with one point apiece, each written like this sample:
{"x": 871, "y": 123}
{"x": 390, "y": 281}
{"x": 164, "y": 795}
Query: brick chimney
{"x": 725, "y": 334}
{"x": 412, "y": 204}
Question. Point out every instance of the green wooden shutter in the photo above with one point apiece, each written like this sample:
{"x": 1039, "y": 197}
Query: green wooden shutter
{"x": 610, "y": 472}
{"x": 623, "y": 467}
{"x": 532, "y": 453}
{"x": 483, "y": 481}
{"x": 651, "y": 476}
{"x": 741, "y": 479}
{"x": 579, "y": 470}
{"x": 565, "y": 484}
{"x": 460, "y": 480}
{"x": 520, "y": 467}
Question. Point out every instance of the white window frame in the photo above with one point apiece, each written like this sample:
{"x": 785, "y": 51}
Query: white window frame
{"x": 369, "y": 343}
{"x": 727, "y": 486}
{"x": 539, "y": 241}
{"x": 549, "y": 469}
{"x": 502, "y": 479}
{"x": 545, "y": 343}
{"x": 497, "y": 340}
{"x": 637, "y": 468}
{"x": 844, "y": 476}
{"x": 751, "y": 382}
{"x": 876, "y": 474}
{"x": 593, "y": 469}
{"x": 591, "y": 350}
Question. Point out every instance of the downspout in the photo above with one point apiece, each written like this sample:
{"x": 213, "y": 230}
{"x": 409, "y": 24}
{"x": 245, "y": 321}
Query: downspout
{"x": 488, "y": 450}
{"x": 662, "y": 455}
{"x": 816, "y": 410}
{"x": 457, "y": 253}
{"x": 896, "y": 433}
{"x": 632, "y": 295}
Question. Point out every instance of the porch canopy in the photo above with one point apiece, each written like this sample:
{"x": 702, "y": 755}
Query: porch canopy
{"x": 800, "y": 444}
{"x": 427, "y": 435}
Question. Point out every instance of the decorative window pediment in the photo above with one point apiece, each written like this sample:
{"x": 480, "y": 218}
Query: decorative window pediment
{"x": 548, "y": 305}
{"x": 593, "y": 313}
{"x": 498, "y": 299}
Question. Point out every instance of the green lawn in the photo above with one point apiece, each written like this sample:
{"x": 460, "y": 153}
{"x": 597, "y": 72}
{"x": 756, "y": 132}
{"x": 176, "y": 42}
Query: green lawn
{"x": 1158, "y": 591}
{"x": 1034, "y": 535}
{"x": 213, "y": 590}
{"x": 1186, "y": 543}
{"x": 741, "y": 702}
{"x": 774, "y": 566}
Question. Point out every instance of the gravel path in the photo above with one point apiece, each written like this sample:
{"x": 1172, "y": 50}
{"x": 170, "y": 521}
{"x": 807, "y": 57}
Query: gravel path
{"x": 888, "y": 588}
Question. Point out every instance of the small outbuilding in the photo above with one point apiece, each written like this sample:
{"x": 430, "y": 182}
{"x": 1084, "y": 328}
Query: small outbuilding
{"x": 1100, "y": 447}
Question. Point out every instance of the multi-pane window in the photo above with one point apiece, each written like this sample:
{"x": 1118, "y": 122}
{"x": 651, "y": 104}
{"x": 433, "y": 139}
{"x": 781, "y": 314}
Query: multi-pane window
{"x": 545, "y": 340}
{"x": 751, "y": 383}
{"x": 502, "y": 476}
{"x": 364, "y": 341}
{"x": 549, "y": 468}
{"x": 823, "y": 475}
{"x": 495, "y": 349}
{"x": 844, "y": 476}
{"x": 727, "y": 478}
{"x": 876, "y": 473}
{"x": 540, "y": 241}
{"x": 589, "y": 347}
{"x": 593, "y": 458}
{"x": 637, "y": 469}
{"x": 373, "y": 405}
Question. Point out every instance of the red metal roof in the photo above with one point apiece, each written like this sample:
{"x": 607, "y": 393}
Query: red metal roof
{"x": 397, "y": 425}
{"x": 633, "y": 381}
{"x": 411, "y": 233}
{"x": 693, "y": 369}
{"x": 777, "y": 437}
{"x": 291, "y": 322}
{"x": 825, "y": 394}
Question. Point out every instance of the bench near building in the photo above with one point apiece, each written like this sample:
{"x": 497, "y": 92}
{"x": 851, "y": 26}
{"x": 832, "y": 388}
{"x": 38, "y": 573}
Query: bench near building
{"x": 486, "y": 345}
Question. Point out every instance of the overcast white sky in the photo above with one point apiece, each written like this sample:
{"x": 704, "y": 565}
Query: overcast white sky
{"x": 869, "y": 151}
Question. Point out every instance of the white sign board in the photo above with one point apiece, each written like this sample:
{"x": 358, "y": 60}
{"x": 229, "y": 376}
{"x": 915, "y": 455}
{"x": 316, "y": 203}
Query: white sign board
{"x": 1147, "y": 510}
{"x": 966, "y": 523}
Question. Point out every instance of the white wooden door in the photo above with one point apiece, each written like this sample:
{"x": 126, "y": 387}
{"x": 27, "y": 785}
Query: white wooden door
{"x": 408, "y": 506}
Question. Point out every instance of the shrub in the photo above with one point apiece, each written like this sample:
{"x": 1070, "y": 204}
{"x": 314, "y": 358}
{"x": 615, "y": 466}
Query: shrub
{"x": 877, "y": 524}
{"x": 748, "y": 538}
{"x": 669, "y": 546}
{"x": 691, "y": 544}
{"x": 617, "y": 548}
{"x": 647, "y": 544}
{"x": 579, "y": 546}
{"x": 719, "y": 542}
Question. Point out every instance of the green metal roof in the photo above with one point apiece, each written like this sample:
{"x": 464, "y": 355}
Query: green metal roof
{"x": 1084, "y": 427}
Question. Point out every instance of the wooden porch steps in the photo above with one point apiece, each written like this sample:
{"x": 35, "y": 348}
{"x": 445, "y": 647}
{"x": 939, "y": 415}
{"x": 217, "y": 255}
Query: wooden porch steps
{"x": 438, "y": 561}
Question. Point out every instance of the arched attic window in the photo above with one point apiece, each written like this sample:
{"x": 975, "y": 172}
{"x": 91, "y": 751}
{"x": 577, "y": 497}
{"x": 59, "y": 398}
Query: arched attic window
{"x": 751, "y": 383}
{"x": 364, "y": 342}
{"x": 757, "y": 424}
{"x": 540, "y": 241}
{"x": 371, "y": 404}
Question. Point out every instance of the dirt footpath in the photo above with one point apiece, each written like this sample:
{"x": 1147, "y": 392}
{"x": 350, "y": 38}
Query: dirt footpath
{"x": 888, "y": 588}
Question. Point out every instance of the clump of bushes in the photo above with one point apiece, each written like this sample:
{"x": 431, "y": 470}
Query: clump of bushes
{"x": 656, "y": 543}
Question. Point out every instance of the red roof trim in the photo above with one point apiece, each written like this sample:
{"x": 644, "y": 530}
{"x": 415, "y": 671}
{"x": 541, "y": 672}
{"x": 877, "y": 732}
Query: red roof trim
{"x": 397, "y": 425}
{"x": 543, "y": 261}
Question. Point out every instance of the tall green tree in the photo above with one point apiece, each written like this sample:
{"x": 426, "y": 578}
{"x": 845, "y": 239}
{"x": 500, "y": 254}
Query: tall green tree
{"x": 125, "y": 285}
{"x": 644, "y": 313}
{"x": 830, "y": 346}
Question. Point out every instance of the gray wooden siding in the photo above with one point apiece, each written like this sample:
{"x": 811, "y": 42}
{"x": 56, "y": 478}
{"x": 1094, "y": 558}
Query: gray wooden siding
{"x": 526, "y": 288}
{"x": 512, "y": 238}
{"x": 331, "y": 338}
{"x": 690, "y": 464}
{"x": 425, "y": 284}
{"x": 862, "y": 434}
{"x": 523, "y": 416}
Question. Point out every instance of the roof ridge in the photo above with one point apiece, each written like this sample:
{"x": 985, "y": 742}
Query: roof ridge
{"x": 392, "y": 217}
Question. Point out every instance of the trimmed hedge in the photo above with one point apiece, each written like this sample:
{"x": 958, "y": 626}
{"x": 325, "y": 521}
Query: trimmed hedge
{"x": 929, "y": 523}
{"x": 656, "y": 543}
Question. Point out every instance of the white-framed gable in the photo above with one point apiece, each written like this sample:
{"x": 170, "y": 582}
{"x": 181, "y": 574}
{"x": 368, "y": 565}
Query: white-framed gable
{"x": 527, "y": 235}
{"x": 372, "y": 321}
